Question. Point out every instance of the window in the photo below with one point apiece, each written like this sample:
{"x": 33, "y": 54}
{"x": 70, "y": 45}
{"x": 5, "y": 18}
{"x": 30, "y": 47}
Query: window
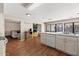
{"x": 59, "y": 27}
{"x": 47, "y": 27}
{"x": 76, "y": 28}
{"x": 35, "y": 27}
{"x": 68, "y": 28}
{"x": 52, "y": 27}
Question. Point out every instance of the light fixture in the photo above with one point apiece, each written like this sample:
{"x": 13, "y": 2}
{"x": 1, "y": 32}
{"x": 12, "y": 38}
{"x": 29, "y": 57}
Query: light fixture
{"x": 26, "y": 5}
{"x": 28, "y": 14}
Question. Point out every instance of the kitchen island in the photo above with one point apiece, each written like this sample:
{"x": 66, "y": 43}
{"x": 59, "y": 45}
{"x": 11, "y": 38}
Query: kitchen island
{"x": 68, "y": 43}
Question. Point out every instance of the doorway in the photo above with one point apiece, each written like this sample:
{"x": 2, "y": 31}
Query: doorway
{"x": 12, "y": 29}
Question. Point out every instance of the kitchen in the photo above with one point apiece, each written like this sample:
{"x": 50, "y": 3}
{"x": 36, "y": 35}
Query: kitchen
{"x": 58, "y": 26}
{"x": 62, "y": 37}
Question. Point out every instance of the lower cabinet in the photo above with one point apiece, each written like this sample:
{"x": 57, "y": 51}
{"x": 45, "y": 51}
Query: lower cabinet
{"x": 48, "y": 39}
{"x": 70, "y": 45}
{"x": 43, "y": 38}
{"x": 51, "y": 40}
{"x": 67, "y": 44}
{"x": 78, "y": 46}
{"x": 2, "y": 48}
{"x": 60, "y": 42}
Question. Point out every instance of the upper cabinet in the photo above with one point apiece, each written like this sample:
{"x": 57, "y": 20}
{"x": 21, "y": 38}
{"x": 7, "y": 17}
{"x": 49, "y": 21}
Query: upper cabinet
{"x": 76, "y": 27}
{"x": 68, "y": 28}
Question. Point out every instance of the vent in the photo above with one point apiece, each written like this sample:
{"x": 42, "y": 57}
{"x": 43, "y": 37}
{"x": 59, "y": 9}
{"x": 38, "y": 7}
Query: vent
{"x": 26, "y": 5}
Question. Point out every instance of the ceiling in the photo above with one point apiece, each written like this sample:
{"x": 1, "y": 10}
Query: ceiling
{"x": 41, "y": 12}
{"x": 17, "y": 11}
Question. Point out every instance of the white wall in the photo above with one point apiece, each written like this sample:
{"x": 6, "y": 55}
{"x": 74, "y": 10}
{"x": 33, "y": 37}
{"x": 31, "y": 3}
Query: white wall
{"x": 2, "y": 25}
{"x": 1, "y": 20}
{"x": 25, "y": 26}
{"x": 42, "y": 27}
{"x": 9, "y": 26}
{"x": 1, "y": 7}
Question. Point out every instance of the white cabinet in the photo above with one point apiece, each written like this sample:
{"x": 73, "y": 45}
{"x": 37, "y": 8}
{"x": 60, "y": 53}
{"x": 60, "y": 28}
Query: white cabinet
{"x": 65, "y": 43}
{"x": 48, "y": 39}
{"x": 78, "y": 45}
{"x": 68, "y": 44}
{"x": 43, "y": 38}
{"x": 60, "y": 42}
{"x": 71, "y": 45}
{"x": 75, "y": 46}
{"x": 2, "y": 47}
{"x": 51, "y": 40}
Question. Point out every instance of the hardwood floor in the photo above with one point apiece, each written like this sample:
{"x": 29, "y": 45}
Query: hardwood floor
{"x": 30, "y": 47}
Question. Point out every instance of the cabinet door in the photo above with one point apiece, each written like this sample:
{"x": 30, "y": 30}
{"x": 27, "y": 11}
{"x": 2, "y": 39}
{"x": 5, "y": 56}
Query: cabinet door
{"x": 43, "y": 38}
{"x": 51, "y": 40}
{"x": 46, "y": 38}
{"x": 2, "y": 48}
{"x": 60, "y": 42}
{"x": 75, "y": 46}
{"x": 70, "y": 45}
{"x": 78, "y": 46}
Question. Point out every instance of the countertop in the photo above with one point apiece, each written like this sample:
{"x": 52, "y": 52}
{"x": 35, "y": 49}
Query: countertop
{"x": 61, "y": 33}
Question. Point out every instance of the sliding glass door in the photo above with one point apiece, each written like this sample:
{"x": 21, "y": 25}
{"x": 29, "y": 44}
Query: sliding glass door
{"x": 68, "y": 28}
{"x": 76, "y": 27}
{"x": 59, "y": 27}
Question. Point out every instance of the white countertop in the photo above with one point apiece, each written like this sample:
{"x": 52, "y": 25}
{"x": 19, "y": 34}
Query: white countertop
{"x": 61, "y": 33}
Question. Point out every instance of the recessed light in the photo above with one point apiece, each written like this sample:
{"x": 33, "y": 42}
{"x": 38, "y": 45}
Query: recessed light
{"x": 26, "y": 5}
{"x": 28, "y": 14}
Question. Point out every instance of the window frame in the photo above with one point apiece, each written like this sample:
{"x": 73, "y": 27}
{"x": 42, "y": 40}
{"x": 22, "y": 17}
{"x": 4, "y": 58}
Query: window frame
{"x": 71, "y": 28}
{"x": 49, "y": 27}
{"x": 74, "y": 27}
{"x": 57, "y": 30}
